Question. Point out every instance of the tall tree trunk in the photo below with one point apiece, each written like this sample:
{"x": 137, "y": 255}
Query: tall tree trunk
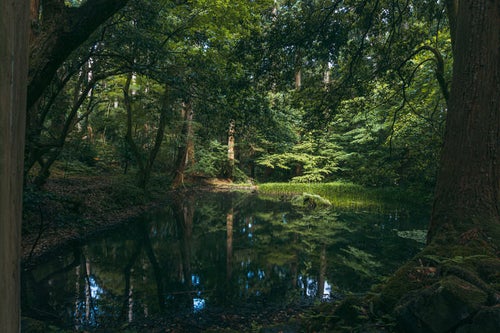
{"x": 467, "y": 192}
{"x": 145, "y": 166}
{"x": 230, "y": 149}
{"x": 14, "y": 23}
{"x": 160, "y": 133}
{"x": 298, "y": 78}
{"x": 186, "y": 150}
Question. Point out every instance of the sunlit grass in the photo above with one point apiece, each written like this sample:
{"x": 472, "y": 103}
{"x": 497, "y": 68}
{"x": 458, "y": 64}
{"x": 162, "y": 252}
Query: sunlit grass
{"x": 348, "y": 195}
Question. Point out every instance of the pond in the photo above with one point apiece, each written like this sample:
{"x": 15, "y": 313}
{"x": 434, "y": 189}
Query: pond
{"x": 209, "y": 258}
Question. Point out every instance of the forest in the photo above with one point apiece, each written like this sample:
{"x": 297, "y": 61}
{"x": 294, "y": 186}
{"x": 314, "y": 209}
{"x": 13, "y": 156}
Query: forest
{"x": 128, "y": 100}
{"x": 302, "y": 91}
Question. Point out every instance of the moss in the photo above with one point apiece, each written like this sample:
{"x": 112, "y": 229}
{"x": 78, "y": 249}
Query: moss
{"x": 469, "y": 293}
{"x": 472, "y": 263}
{"x": 440, "y": 307}
{"x": 401, "y": 283}
{"x": 308, "y": 200}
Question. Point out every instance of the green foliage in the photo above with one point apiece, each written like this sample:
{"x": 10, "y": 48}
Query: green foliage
{"x": 210, "y": 161}
{"x": 312, "y": 160}
{"x": 80, "y": 150}
{"x": 371, "y": 113}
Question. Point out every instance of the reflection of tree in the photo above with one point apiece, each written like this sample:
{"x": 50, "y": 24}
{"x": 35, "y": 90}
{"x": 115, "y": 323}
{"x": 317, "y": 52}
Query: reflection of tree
{"x": 229, "y": 243}
{"x": 127, "y": 271}
{"x": 156, "y": 267}
{"x": 183, "y": 208}
{"x": 36, "y": 295}
{"x": 238, "y": 251}
{"x": 88, "y": 295}
{"x": 322, "y": 271}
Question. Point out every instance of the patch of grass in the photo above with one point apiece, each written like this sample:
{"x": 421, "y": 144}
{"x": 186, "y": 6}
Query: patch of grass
{"x": 348, "y": 195}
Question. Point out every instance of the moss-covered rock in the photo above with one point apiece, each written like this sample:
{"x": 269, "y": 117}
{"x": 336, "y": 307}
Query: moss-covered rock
{"x": 441, "y": 307}
{"x": 486, "y": 320}
{"x": 308, "y": 200}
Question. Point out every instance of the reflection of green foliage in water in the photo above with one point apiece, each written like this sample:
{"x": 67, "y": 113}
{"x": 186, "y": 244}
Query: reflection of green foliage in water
{"x": 265, "y": 255}
{"x": 417, "y": 235}
{"x": 361, "y": 262}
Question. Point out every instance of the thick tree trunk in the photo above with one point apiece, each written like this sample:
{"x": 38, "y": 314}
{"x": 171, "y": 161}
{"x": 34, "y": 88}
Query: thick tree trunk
{"x": 14, "y": 24}
{"x": 129, "y": 139}
{"x": 466, "y": 198}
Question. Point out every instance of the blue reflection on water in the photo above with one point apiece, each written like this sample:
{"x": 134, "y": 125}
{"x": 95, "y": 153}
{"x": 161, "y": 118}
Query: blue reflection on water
{"x": 195, "y": 280}
{"x": 95, "y": 289}
{"x": 198, "y": 304}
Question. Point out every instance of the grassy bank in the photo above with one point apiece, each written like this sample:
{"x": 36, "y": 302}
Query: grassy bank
{"x": 349, "y": 195}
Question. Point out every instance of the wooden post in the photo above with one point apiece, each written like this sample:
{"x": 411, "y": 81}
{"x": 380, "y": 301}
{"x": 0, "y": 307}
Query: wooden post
{"x": 14, "y": 24}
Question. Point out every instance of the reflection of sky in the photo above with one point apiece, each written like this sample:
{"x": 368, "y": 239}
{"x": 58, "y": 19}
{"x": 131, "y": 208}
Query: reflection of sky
{"x": 198, "y": 302}
{"x": 310, "y": 287}
{"x": 95, "y": 289}
{"x": 248, "y": 228}
{"x": 195, "y": 280}
{"x": 260, "y": 274}
{"x": 87, "y": 309}
{"x": 327, "y": 291}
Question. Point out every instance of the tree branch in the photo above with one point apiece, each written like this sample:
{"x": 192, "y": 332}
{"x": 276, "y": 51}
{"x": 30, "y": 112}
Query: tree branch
{"x": 63, "y": 30}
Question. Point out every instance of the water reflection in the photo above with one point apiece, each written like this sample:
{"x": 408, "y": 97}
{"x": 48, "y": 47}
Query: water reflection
{"x": 213, "y": 252}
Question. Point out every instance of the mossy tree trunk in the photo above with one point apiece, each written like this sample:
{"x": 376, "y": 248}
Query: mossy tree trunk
{"x": 452, "y": 285}
{"x": 467, "y": 192}
{"x": 14, "y": 24}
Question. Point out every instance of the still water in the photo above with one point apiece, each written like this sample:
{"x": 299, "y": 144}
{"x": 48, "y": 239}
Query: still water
{"x": 209, "y": 253}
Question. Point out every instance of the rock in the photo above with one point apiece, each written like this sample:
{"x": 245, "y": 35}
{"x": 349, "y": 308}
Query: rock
{"x": 441, "y": 307}
{"x": 486, "y": 320}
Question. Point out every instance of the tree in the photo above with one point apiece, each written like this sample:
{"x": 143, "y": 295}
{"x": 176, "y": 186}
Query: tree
{"x": 58, "y": 32}
{"x": 467, "y": 191}
{"x": 45, "y": 60}
{"x": 145, "y": 164}
{"x": 14, "y": 25}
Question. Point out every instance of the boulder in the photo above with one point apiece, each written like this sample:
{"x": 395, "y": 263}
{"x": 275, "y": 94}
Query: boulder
{"x": 441, "y": 307}
{"x": 487, "y": 320}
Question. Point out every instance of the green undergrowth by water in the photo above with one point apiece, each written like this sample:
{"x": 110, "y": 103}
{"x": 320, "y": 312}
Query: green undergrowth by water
{"x": 349, "y": 195}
